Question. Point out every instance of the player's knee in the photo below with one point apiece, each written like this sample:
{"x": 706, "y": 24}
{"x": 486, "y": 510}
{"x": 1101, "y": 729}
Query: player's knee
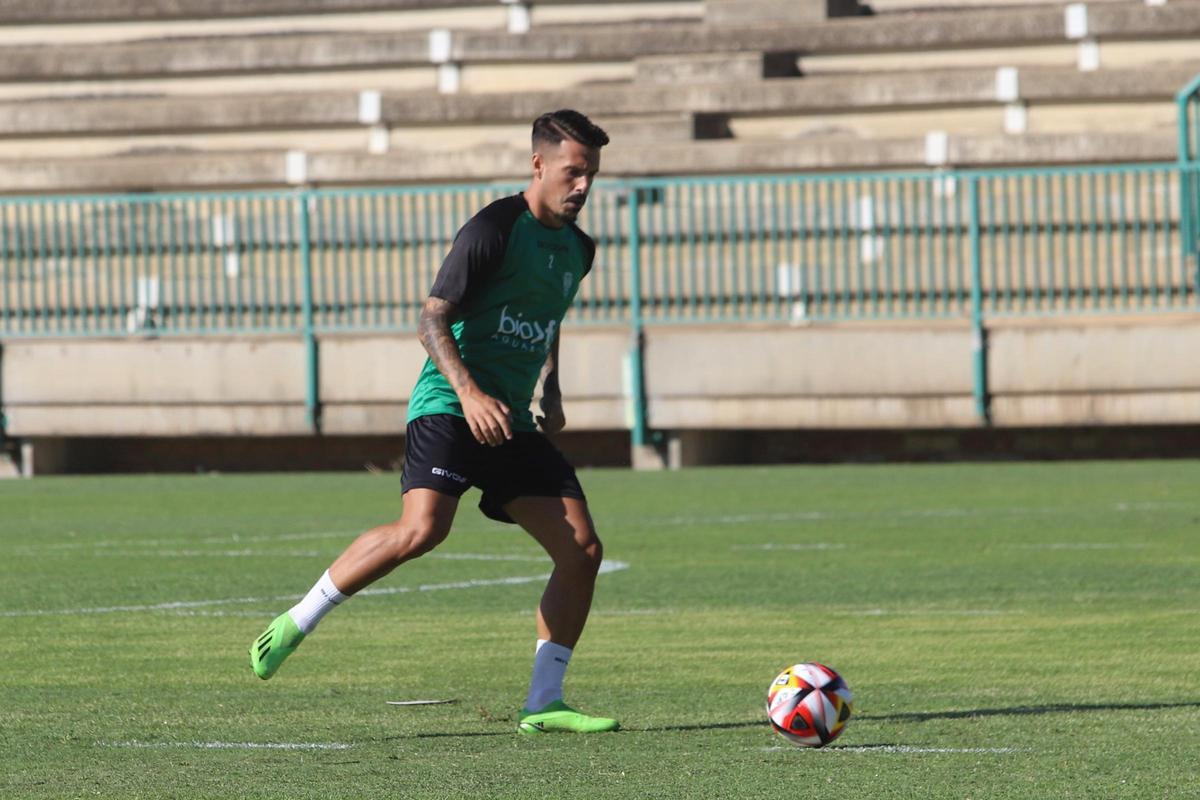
{"x": 594, "y": 552}
{"x": 586, "y": 558}
{"x": 416, "y": 538}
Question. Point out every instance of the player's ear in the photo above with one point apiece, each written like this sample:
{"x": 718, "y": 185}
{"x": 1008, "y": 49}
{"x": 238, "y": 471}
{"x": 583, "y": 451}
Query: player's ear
{"x": 539, "y": 165}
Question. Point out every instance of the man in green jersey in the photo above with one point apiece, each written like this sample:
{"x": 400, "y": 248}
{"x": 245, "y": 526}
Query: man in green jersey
{"x": 490, "y": 325}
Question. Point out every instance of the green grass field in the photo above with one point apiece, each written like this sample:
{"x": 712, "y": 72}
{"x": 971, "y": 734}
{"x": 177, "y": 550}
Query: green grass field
{"x": 1009, "y": 631}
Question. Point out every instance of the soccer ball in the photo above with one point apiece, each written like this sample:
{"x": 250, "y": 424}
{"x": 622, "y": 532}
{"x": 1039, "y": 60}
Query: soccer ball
{"x": 809, "y": 704}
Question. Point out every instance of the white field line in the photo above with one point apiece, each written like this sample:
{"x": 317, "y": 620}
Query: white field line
{"x": 232, "y": 539}
{"x": 243, "y": 613}
{"x": 931, "y": 513}
{"x": 902, "y": 748}
{"x": 648, "y": 522}
{"x": 270, "y": 553}
{"x": 232, "y": 745}
{"x": 619, "y": 612}
{"x": 487, "y": 557}
{"x": 171, "y": 606}
{"x": 919, "y": 612}
{"x": 206, "y": 554}
{"x": 894, "y": 748}
{"x": 796, "y": 546}
{"x": 1080, "y": 546}
{"x": 474, "y": 583}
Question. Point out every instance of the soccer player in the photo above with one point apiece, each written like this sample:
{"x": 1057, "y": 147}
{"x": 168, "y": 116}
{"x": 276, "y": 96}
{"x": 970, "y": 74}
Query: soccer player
{"x": 490, "y": 325}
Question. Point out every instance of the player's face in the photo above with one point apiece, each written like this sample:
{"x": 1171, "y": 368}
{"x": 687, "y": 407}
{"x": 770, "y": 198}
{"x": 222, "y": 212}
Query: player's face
{"x": 566, "y": 172}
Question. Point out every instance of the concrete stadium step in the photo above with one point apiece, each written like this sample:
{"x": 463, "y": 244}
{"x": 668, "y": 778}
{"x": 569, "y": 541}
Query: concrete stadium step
{"x": 1113, "y": 55}
{"x": 66, "y": 33}
{"x": 1134, "y": 117}
{"x": 270, "y": 168}
{"x": 737, "y": 12}
{"x": 487, "y": 15}
{"x": 732, "y": 156}
{"x": 57, "y": 11}
{"x": 715, "y": 68}
{"x": 600, "y": 43}
{"x": 894, "y": 6}
{"x": 936, "y": 89}
{"x": 317, "y": 138}
{"x": 407, "y": 79}
{"x": 475, "y": 79}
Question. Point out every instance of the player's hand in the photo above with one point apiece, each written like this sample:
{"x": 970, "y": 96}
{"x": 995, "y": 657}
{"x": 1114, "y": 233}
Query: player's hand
{"x": 489, "y": 419}
{"x": 554, "y": 419}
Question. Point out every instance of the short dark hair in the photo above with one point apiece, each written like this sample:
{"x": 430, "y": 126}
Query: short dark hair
{"x": 566, "y": 123}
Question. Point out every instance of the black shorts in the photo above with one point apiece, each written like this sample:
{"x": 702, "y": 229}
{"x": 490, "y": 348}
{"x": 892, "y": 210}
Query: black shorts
{"x": 441, "y": 453}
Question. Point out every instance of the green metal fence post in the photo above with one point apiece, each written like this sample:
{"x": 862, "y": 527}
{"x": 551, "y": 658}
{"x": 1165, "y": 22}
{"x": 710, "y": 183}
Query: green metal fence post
{"x": 1189, "y": 140}
{"x": 978, "y": 331}
{"x": 637, "y": 345}
{"x": 312, "y": 398}
{"x": 3, "y": 420}
{"x": 1188, "y": 106}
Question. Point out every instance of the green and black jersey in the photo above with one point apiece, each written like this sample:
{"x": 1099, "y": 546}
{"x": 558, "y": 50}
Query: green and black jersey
{"x": 513, "y": 280}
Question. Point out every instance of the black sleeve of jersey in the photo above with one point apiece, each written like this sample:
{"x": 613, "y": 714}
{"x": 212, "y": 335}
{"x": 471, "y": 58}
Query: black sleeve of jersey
{"x": 477, "y": 252}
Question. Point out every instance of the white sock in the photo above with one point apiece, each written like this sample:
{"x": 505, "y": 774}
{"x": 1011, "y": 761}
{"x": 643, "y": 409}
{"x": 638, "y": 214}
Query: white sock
{"x": 319, "y": 601}
{"x": 549, "y": 669}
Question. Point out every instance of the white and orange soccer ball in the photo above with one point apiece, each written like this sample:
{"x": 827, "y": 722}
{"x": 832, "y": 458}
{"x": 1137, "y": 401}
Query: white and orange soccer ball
{"x": 809, "y": 704}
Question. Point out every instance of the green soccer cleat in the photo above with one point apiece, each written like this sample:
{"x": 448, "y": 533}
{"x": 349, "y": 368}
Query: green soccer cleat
{"x": 277, "y": 642}
{"x": 558, "y": 717}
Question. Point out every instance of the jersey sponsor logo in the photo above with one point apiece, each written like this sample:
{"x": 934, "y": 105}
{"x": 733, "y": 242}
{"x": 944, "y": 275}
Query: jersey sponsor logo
{"x": 555, "y": 247}
{"x": 568, "y": 279}
{"x": 527, "y": 335}
{"x": 445, "y": 473}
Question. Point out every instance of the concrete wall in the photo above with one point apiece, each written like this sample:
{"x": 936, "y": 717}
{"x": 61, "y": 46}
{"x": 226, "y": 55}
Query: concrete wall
{"x": 366, "y": 380}
{"x": 257, "y": 386}
{"x": 1127, "y": 372}
{"x": 1132, "y": 371}
{"x": 809, "y": 377}
{"x": 1117, "y": 372}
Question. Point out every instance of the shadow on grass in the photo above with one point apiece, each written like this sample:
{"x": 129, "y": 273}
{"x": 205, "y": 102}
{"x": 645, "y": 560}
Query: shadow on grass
{"x": 712, "y": 726}
{"x": 924, "y": 716}
{"x": 462, "y": 734}
{"x": 1019, "y": 711}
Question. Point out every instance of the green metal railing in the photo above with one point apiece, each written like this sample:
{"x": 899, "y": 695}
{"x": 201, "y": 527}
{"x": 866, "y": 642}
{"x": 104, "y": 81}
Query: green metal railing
{"x": 794, "y": 248}
{"x": 957, "y": 244}
{"x": 912, "y": 245}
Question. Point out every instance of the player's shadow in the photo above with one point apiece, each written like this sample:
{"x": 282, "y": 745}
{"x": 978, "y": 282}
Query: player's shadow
{"x": 924, "y": 716}
{"x": 1020, "y": 711}
{"x": 710, "y": 726}
{"x": 458, "y": 735}
{"x": 914, "y": 716}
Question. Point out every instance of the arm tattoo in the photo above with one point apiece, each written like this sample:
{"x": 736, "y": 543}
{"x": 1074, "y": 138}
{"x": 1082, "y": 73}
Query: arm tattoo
{"x": 433, "y": 330}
